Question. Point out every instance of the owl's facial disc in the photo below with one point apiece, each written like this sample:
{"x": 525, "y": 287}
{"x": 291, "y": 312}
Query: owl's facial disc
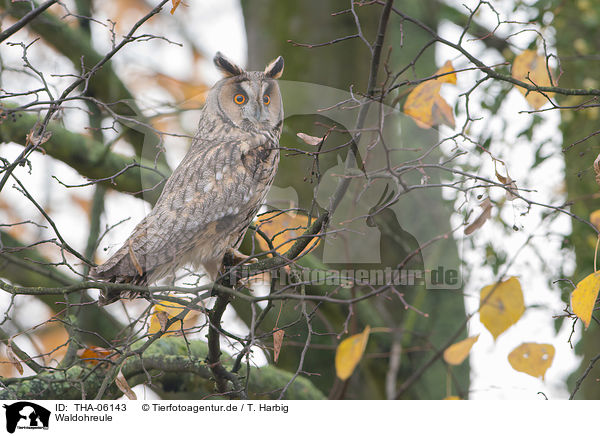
{"x": 254, "y": 108}
{"x": 251, "y": 102}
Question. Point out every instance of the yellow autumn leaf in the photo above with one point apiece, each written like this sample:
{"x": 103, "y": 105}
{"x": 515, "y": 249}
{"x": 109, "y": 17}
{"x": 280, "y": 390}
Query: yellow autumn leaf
{"x": 284, "y": 229}
{"x": 452, "y": 397}
{"x": 160, "y": 313}
{"x": 501, "y": 305}
{"x": 455, "y": 354}
{"x": 349, "y": 352}
{"x": 531, "y": 68}
{"x": 583, "y": 298}
{"x": 531, "y": 358}
{"x": 425, "y": 104}
{"x": 595, "y": 218}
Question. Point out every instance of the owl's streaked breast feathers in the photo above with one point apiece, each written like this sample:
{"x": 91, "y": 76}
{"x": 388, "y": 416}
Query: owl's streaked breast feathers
{"x": 213, "y": 195}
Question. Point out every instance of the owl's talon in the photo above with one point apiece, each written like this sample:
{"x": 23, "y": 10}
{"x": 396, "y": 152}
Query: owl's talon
{"x": 239, "y": 257}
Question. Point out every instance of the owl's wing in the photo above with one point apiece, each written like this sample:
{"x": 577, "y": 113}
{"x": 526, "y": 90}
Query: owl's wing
{"x": 210, "y": 194}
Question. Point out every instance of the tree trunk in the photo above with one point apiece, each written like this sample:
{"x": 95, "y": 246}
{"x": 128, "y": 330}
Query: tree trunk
{"x": 269, "y": 27}
{"x": 578, "y": 36}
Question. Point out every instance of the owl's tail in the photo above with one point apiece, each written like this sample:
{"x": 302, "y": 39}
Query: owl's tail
{"x": 118, "y": 269}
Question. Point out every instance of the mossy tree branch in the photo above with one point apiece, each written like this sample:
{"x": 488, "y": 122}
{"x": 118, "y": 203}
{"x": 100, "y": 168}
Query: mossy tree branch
{"x": 171, "y": 365}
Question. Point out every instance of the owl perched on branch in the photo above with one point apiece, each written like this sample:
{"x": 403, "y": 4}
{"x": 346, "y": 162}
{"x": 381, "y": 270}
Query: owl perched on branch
{"x": 217, "y": 189}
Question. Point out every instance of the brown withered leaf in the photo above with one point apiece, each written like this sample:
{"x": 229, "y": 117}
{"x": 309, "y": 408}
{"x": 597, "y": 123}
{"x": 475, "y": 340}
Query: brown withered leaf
{"x": 597, "y": 169}
{"x": 92, "y": 354}
{"x": 509, "y": 184}
{"x": 12, "y": 358}
{"x": 34, "y": 137}
{"x": 175, "y": 5}
{"x": 277, "y": 343}
{"x": 163, "y": 318}
{"x": 482, "y": 218}
{"x": 310, "y": 140}
{"x": 124, "y": 386}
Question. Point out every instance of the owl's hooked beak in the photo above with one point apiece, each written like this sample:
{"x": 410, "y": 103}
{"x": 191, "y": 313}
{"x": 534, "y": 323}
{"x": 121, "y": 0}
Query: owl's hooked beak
{"x": 254, "y": 113}
{"x": 257, "y": 112}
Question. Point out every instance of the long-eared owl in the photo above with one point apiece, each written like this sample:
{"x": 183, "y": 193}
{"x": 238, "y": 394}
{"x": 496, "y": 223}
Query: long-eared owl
{"x": 215, "y": 192}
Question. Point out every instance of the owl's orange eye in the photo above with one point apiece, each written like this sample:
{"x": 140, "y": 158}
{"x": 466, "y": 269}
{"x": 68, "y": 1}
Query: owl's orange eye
{"x": 239, "y": 98}
{"x": 266, "y": 99}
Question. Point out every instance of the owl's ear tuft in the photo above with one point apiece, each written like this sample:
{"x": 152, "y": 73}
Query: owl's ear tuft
{"x": 275, "y": 69}
{"x": 227, "y": 67}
